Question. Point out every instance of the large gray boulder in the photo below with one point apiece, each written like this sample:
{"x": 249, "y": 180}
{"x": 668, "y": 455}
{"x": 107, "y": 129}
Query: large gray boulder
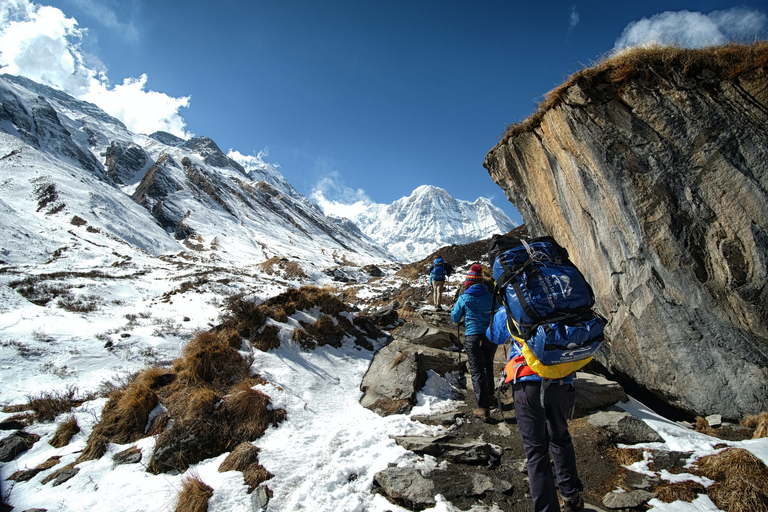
{"x": 412, "y": 489}
{"x": 399, "y": 370}
{"x": 656, "y": 181}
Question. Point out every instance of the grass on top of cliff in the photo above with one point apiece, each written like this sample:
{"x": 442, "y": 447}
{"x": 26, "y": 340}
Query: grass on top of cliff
{"x": 725, "y": 62}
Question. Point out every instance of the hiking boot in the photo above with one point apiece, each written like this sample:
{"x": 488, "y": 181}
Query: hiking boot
{"x": 482, "y": 414}
{"x": 573, "y": 503}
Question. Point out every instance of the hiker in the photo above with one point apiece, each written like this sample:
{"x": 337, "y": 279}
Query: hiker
{"x": 543, "y": 429}
{"x": 475, "y": 307}
{"x": 437, "y": 276}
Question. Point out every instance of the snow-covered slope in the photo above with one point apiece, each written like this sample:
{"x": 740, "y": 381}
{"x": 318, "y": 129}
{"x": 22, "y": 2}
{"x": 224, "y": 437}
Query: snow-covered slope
{"x": 72, "y": 176}
{"x": 415, "y": 226}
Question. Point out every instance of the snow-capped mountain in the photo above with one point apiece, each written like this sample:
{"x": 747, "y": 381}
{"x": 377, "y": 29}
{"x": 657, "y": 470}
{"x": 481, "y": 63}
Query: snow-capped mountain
{"x": 73, "y": 177}
{"x": 415, "y": 226}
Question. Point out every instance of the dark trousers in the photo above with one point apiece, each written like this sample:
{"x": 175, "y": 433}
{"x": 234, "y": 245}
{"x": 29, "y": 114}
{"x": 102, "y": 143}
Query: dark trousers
{"x": 480, "y": 354}
{"x": 545, "y": 430}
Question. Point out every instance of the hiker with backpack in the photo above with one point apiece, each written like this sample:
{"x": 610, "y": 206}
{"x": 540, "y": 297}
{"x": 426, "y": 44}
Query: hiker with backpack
{"x": 475, "y": 306}
{"x": 438, "y": 273}
{"x": 543, "y": 429}
{"x": 548, "y": 317}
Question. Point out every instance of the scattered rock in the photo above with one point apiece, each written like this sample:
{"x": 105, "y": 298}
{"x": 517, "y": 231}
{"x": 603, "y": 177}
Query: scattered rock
{"x": 714, "y": 420}
{"x": 458, "y": 452}
{"x": 408, "y": 487}
{"x": 130, "y": 456}
{"x": 15, "y": 444}
{"x": 663, "y": 459}
{"x": 622, "y": 500}
{"x": 12, "y": 425}
{"x": 445, "y": 419}
{"x": 373, "y": 271}
{"x": 624, "y": 427}
{"x": 64, "y": 475}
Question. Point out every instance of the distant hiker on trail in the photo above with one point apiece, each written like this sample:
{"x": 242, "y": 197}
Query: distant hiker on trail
{"x": 543, "y": 429}
{"x": 438, "y": 273}
{"x": 475, "y": 305}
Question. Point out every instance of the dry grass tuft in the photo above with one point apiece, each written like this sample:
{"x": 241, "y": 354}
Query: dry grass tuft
{"x": 758, "y": 422}
{"x": 65, "y": 433}
{"x": 28, "y": 474}
{"x": 248, "y": 414}
{"x": 49, "y": 405}
{"x": 209, "y": 359}
{"x": 194, "y": 495}
{"x": 625, "y": 456}
{"x": 613, "y": 73}
{"x": 95, "y": 448}
{"x": 741, "y": 480}
{"x": 702, "y": 426}
{"x": 679, "y": 491}
{"x": 245, "y": 458}
{"x": 241, "y": 458}
{"x": 267, "y": 339}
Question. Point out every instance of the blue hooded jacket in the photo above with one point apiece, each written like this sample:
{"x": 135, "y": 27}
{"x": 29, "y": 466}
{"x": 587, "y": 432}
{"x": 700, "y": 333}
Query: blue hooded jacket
{"x": 475, "y": 306}
{"x": 498, "y": 332}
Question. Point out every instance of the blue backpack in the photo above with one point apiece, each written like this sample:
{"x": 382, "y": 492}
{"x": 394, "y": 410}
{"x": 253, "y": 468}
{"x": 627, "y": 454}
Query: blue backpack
{"x": 549, "y": 304}
{"x": 438, "y": 270}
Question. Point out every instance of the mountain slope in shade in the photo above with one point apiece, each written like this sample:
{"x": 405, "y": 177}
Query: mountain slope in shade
{"x": 415, "y": 226}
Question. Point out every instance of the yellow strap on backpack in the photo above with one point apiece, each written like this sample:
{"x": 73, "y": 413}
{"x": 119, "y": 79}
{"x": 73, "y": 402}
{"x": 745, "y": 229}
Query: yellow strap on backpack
{"x": 552, "y": 371}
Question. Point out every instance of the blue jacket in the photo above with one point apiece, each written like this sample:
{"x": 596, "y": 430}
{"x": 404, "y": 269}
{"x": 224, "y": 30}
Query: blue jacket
{"x": 474, "y": 305}
{"x": 498, "y": 332}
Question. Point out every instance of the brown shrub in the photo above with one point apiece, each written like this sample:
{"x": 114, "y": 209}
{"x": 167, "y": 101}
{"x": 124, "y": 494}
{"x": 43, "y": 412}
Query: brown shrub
{"x": 64, "y": 433}
{"x": 241, "y": 458}
{"x": 49, "y": 405}
{"x": 679, "y": 491}
{"x": 304, "y": 339}
{"x": 326, "y": 331}
{"x": 194, "y": 495}
{"x": 248, "y": 414}
{"x": 758, "y": 422}
{"x": 742, "y": 480}
{"x": 95, "y": 448}
{"x": 126, "y": 413}
{"x": 245, "y": 458}
{"x": 209, "y": 359}
{"x": 739, "y": 494}
{"x": 267, "y": 339}
{"x": 200, "y": 403}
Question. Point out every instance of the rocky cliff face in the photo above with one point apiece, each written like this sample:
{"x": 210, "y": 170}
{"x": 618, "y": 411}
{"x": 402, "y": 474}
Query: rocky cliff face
{"x": 652, "y": 169}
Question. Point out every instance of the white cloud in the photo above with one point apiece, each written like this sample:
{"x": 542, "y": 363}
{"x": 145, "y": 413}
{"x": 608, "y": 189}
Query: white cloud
{"x": 108, "y": 18}
{"x": 335, "y": 198}
{"x": 695, "y": 29}
{"x": 573, "y": 19}
{"x": 41, "y": 43}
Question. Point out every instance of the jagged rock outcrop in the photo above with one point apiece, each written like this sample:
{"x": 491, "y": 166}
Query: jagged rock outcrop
{"x": 123, "y": 163}
{"x": 652, "y": 169}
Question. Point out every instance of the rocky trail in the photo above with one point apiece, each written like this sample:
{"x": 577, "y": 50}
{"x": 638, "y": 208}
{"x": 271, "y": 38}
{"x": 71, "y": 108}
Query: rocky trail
{"x": 483, "y": 463}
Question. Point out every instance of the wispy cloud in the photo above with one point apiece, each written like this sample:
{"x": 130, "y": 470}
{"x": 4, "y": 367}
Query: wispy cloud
{"x": 695, "y": 29}
{"x": 108, "y": 18}
{"x": 573, "y": 18}
{"x": 41, "y": 43}
{"x": 335, "y": 198}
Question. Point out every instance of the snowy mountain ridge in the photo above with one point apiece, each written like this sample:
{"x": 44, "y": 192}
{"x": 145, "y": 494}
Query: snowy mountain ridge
{"x": 210, "y": 205}
{"x": 161, "y": 193}
{"x": 413, "y": 227}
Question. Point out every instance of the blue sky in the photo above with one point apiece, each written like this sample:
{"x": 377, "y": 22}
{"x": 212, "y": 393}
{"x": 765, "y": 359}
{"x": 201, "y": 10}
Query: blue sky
{"x": 357, "y": 99}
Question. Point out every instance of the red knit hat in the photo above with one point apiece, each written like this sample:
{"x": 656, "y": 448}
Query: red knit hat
{"x": 475, "y": 275}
